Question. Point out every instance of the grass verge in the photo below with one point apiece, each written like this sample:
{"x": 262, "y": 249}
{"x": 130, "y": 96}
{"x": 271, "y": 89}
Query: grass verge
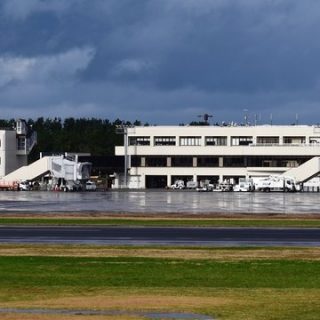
{"x": 235, "y": 289}
{"x": 59, "y": 272}
{"x": 183, "y": 222}
{"x": 186, "y": 253}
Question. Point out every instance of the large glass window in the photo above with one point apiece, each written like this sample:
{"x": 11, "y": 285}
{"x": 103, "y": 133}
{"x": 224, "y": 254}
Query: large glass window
{"x": 135, "y": 161}
{"x": 314, "y": 140}
{"x": 164, "y": 141}
{"x": 216, "y": 141}
{"x": 182, "y": 161}
{"x": 294, "y": 140}
{"x": 156, "y": 161}
{"x": 234, "y": 162}
{"x": 275, "y": 161}
{"x": 241, "y": 141}
{"x": 207, "y": 161}
{"x": 268, "y": 140}
{"x": 139, "y": 141}
{"x": 190, "y": 141}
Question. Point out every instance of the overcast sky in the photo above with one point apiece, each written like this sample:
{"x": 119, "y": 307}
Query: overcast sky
{"x": 161, "y": 61}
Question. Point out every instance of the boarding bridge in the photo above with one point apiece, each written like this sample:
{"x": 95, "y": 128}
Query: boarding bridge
{"x": 306, "y": 171}
{"x": 59, "y": 167}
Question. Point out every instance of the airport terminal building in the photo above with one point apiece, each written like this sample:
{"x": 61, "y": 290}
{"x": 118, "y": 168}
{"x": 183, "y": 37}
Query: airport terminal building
{"x": 15, "y": 145}
{"x": 159, "y": 155}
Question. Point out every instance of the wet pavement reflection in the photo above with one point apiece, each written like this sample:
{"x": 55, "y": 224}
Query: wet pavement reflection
{"x": 160, "y": 201}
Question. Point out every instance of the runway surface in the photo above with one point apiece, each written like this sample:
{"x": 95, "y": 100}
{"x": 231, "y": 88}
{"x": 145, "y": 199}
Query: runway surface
{"x": 162, "y": 236}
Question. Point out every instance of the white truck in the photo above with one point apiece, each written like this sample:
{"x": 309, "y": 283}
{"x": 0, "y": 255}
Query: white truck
{"x": 276, "y": 183}
{"x": 244, "y": 185}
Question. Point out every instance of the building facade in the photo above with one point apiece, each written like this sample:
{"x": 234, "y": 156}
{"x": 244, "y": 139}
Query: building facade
{"x": 15, "y": 145}
{"x": 157, "y": 156}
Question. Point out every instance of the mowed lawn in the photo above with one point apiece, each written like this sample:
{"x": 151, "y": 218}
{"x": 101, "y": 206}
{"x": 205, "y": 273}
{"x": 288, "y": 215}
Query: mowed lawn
{"x": 250, "y": 287}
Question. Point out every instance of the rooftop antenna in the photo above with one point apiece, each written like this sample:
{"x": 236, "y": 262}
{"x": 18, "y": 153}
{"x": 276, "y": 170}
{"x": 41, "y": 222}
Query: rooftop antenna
{"x": 205, "y": 117}
{"x": 245, "y": 116}
{"x": 271, "y": 118}
{"x": 297, "y": 119}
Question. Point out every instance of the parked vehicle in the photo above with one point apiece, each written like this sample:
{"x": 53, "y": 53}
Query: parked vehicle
{"x": 192, "y": 184}
{"x": 276, "y": 183}
{"x": 9, "y": 186}
{"x": 178, "y": 184}
{"x": 205, "y": 188}
{"x": 244, "y": 185}
{"x": 24, "y": 186}
{"x": 91, "y": 186}
{"x": 225, "y": 187}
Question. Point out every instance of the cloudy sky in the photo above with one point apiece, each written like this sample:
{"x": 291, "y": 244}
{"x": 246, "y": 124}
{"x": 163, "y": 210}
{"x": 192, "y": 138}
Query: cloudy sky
{"x": 161, "y": 61}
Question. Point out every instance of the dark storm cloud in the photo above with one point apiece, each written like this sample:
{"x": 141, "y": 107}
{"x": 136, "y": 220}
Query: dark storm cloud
{"x": 141, "y": 59}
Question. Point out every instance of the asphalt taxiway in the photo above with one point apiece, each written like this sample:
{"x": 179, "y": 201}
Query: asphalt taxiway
{"x": 161, "y": 236}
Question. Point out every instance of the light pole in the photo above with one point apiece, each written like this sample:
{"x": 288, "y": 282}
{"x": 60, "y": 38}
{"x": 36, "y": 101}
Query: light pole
{"x": 245, "y": 116}
{"x": 123, "y": 129}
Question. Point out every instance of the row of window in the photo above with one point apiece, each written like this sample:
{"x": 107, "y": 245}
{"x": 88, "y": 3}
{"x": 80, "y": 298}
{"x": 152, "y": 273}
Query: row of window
{"x": 217, "y": 141}
{"x": 209, "y": 161}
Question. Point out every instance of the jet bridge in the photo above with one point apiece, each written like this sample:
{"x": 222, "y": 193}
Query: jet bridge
{"x": 306, "y": 171}
{"x": 59, "y": 167}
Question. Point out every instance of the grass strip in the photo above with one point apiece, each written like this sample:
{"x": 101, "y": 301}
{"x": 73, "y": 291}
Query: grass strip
{"x": 79, "y": 272}
{"x": 212, "y": 253}
{"x": 244, "y": 290}
{"x": 201, "y": 222}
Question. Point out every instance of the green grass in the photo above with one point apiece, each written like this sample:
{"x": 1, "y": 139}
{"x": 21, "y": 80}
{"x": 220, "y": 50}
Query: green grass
{"x": 60, "y": 272}
{"x": 201, "y": 222}
{"x": 237, "y": 290}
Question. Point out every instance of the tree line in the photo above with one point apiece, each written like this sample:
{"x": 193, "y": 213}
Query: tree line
{"x": 95, "y": 136}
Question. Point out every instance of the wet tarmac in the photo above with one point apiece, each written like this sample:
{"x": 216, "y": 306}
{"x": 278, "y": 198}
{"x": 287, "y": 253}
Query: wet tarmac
{"x": 160, "y": 201}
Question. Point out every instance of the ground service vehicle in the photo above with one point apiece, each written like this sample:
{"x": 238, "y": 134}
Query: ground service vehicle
{"x": 91, "y": 186}
{"x": 276, "y": 183}
{"x": 244, "y": 185}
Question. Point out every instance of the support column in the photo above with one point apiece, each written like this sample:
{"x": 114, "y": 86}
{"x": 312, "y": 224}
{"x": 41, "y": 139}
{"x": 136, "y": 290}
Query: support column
{"x": 168, "y": 180}
{"x": 143, "y": 161}
{"x": 194, "y": 162}
{"x": 168, "y": 161}
{"x": 220, "y": 162}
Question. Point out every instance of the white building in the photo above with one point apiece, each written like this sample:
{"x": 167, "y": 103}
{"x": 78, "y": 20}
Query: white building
{"x": 159, "y": 155}
{"x": 15, "y": 145}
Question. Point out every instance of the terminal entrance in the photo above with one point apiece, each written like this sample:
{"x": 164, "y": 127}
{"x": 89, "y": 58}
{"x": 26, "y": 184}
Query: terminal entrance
{"x": 156, "y": 182}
